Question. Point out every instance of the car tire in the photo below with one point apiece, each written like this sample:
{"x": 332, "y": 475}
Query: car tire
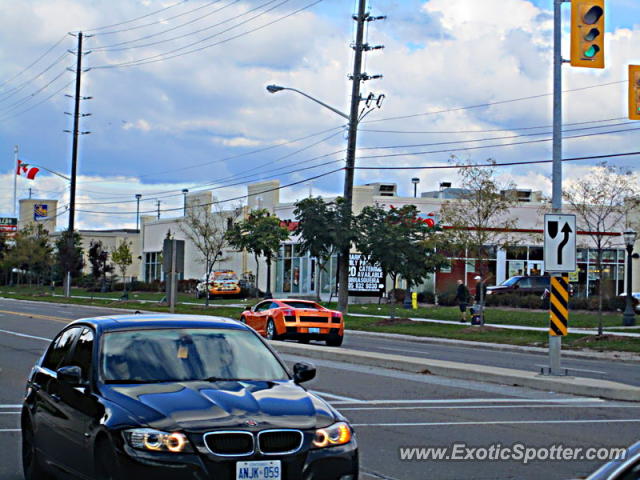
{"x": 106, "y": 463}
{"x": 334, "y": 340}
{"x": 32, "y": 466}
{"x": 243, "y": 320}
{"x": 270, "y": 330}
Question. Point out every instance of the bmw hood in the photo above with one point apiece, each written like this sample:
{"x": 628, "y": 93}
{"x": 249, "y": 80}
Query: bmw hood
{"x": 202, "y": 406}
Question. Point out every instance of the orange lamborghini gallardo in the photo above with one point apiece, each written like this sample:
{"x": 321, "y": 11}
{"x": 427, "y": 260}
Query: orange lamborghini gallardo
{"x": 301, "y": 320}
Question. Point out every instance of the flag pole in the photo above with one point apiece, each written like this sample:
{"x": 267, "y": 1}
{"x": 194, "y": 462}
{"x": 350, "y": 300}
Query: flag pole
{"x": 15, "y": 182}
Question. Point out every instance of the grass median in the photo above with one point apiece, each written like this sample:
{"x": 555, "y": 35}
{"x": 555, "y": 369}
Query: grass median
{"x": 397, "y": 325}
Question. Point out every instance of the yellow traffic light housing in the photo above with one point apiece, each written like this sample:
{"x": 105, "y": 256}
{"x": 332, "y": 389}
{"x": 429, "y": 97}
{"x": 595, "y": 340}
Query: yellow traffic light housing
{"x": 634, "y": 92}
{"x": 587, "y": 33}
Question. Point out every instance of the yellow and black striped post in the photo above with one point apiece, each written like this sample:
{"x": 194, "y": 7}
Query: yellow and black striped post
{"x": 559, "y": 306}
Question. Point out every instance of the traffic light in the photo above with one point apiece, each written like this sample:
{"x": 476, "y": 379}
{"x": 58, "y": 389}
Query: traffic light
{"x": 587, "y": 33}
{"x": 634, "y": 92}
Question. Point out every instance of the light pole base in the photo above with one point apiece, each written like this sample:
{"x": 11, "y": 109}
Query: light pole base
{"x": 629, "y": 319}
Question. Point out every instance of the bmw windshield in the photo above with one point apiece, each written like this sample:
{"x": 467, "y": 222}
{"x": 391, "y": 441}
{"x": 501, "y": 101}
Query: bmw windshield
{"x": 180, "y": 355}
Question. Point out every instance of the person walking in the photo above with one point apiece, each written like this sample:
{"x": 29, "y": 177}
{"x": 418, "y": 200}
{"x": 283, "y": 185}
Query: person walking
{"x": 462, "y": 297}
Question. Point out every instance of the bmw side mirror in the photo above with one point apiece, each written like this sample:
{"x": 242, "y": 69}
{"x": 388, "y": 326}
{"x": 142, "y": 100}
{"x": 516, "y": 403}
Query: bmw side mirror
{"x": 71, "y": 375}
{"x": 303, "y": 372}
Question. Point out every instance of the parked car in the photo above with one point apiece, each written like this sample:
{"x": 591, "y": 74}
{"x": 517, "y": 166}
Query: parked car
{"x": 221, "y": 283}
{"x": 301, "y": 320}
{"x": 524, "y": 285}
{"x": 180, "y": 397}
{"x": 635, "y": 300}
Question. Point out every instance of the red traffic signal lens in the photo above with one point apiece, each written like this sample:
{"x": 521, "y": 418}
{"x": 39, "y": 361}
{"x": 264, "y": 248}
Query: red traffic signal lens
{"x": 593, "y": 15}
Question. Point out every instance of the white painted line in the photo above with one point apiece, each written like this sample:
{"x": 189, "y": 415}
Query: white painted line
{"x": 506, "y": 422}
{"x": 478, "y": 407}
{"x": 25, "y": 335}
{"x": 9, "y": 430}
{"x": 11, "y": 406}
{"x": 338, "y": 397}
{"x": 9, "y": 413}
{"x": 575, "y": 369}
{"x": 477, "y": 400}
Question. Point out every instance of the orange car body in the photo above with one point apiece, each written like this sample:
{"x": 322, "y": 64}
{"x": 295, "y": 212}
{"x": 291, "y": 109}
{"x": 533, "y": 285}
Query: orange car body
{"x": 295, "y": 319}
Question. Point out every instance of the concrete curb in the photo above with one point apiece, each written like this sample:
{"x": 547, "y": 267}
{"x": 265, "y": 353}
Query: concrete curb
{"x": 569, "y": 385}
{"x": 504, "y": 347}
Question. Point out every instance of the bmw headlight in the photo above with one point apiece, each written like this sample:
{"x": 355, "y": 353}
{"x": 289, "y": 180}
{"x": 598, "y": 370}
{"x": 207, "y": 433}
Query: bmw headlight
{"x": 337, "y": 434}
{"x": 157, "y": 441}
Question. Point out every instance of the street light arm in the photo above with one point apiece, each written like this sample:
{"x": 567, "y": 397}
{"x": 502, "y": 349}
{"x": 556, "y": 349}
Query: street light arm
{"x": 275, "y": 89}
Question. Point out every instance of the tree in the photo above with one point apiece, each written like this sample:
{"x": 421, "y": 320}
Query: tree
{"x": 601, "y": 201}
{"x": 69, "y": 255}
{"x": 122, "y": 257}
{"x": 31, "y": 253}
{"x": 100, "y": 266}
{"x": 479, "y": 217}
{"x": 207, "y": 230}
{"x": 400, "y": 242}
{"x": 261, "y": 234}
{"x": 323, "y": 229}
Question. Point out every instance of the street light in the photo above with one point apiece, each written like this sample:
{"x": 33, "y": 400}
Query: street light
{"x": 184, "y": 193}
{"x": 629, "y": 318}
{"x": 415, "y": 181}
{"x": 278, "y": 88}
{"x": 138, "y": 197}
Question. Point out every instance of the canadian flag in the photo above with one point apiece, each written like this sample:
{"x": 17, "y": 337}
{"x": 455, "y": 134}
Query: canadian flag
{"x": 25, "y": 169}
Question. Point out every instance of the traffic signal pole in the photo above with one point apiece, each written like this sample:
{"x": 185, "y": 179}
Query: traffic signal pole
{"x": 555, "y": 341}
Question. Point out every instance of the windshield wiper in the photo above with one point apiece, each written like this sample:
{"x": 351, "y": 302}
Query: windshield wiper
{"x": 133, "y": 381}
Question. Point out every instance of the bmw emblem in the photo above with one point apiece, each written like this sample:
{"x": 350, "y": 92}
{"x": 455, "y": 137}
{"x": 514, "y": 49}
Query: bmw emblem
{"x": 250, "y": 423}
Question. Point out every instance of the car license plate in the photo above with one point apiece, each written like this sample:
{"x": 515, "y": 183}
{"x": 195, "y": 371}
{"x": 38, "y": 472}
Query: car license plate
{"x": 314, "y": 330}
{"x": 263, "y": 470}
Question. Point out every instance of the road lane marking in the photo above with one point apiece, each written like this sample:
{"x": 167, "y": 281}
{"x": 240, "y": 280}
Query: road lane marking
{"x": 499, "y": 422}
{"x": 338, "y": 397}
{"x": 25, "y": 335}
{"x": 11, "y": 406}
{"x": 9, "y": 413}
{"x": 41, "y": 317}
{"x": 9, "y": 430}
{"x": 478, "y": 400}
{"x": 478, "y": 407}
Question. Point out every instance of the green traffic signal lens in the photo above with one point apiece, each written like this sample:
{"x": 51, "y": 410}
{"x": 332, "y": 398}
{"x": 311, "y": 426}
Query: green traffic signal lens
{"x": 592, "y": 35}
{"x": 592, "y": 51}
{"x": 593, "y": 15}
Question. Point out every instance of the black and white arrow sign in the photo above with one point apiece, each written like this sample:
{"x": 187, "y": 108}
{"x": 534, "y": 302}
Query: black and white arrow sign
{"x": 559, "y": 243}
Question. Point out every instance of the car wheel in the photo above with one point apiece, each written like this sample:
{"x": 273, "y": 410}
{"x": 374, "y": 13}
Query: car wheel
{"x": 31, "y": 462}
{"x": 271, "y": 330}
{"x": 106, "y": 466}
{"x": 243, "y": 320}
{"x": 334, "y": 340}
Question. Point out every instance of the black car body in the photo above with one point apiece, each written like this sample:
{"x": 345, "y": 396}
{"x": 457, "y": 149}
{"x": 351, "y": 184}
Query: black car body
{"x": 524, "y": 285}
{"x": 77, "y": 421}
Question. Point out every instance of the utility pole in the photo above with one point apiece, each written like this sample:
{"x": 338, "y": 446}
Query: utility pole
{"x": 29, "y": 193}
{"x": 138, "y": 197}
{"x": 74, "y": 162}
{"x": 184, "y": 208}
{"x": 555, "y": 341}
{"x": 343, "y": 267}
{"x": 15, "y": 182}
{"x": 158, "y": 204}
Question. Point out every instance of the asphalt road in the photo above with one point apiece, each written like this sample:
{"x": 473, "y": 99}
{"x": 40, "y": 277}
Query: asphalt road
{"x": 389, "y": 409}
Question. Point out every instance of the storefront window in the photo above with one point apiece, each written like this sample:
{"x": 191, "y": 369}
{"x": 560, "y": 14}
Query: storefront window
{"x": 152, "y": 266}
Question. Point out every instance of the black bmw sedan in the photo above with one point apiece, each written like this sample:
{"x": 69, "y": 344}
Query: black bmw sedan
{"x": 177, "y": 397}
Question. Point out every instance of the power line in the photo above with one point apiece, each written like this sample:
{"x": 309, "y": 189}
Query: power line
{"x": 503, "y": 164}
{"x": 156, "y": 58}
{"x": 137, "y": 18}
{"x": 119, "y": 46}
{"x": 454, "y": 142}
{"x": 485, "y": 130}
{"x": 29, "y": 97}
{"x": 242, "y": 197}
{"x": 2, "y": 119}
{"x": 11, "y": 92}
{"x": 28, "y": 67}
{"x": 493, "y": 146}
{"x": 488, "y": 104}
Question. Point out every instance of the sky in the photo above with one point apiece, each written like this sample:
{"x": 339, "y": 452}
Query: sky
{"x": 178, "y": 97}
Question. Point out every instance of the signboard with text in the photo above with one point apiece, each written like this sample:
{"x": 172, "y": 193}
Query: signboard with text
{"x": 8, "y": 225}
{"x": 365, "y": 279}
